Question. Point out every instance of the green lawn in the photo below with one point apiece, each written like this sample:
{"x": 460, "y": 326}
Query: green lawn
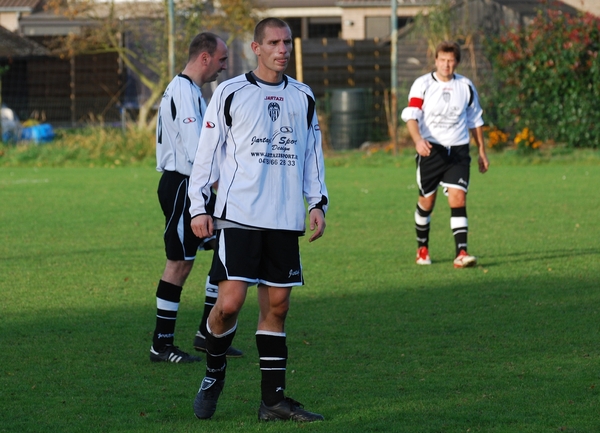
{"x": 376, "y": 343}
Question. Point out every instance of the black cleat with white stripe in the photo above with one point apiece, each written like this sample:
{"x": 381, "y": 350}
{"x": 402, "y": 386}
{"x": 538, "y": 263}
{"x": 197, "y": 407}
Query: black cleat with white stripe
{"x": 172, "y": 354}
{"x": 287, "y": 409}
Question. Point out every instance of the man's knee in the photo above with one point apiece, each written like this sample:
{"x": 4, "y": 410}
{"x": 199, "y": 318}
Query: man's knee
{"x": 280, "y": 309}
{"x": 427, "y": 203}
{"x": 222, "y": 315}
{"x": 457, "y": 197}
{"x": 227, "y": 309}
{"x": 177, "y": 271}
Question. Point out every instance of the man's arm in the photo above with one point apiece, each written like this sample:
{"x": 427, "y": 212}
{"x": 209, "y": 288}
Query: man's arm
{"x": 482, "y": 160}
{"x": 315, "y": 190}
{"x": 413, "y": 113}
{"x": 422, "y": 146}
{"x": 190, "y": 120}
{"x": 205, "y": 170}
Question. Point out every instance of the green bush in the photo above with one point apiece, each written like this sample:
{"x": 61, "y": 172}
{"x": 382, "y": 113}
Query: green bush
{"x": 546, "y": 77}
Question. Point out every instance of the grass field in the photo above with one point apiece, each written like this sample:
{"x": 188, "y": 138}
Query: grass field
{"x": 376, "y": 343}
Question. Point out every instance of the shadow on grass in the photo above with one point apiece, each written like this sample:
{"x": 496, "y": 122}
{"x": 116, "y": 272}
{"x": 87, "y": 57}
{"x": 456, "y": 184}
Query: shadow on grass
{"x": 533, "y": 256}
{"x": 509, "y": 355}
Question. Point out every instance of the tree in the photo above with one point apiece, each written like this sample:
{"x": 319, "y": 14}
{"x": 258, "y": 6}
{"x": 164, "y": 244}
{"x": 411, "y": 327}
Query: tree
{"x": 138, "y": 33}
{"x": 546, "y": 78}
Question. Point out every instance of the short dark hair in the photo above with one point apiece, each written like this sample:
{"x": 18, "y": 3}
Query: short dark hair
{"x": 259, "y": 30}
{"x": 448, "y": 47}
{"x": 203, "y": 42}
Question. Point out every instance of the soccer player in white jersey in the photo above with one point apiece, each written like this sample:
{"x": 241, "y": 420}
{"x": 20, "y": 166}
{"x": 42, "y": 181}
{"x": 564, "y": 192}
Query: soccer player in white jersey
{"x": 261, "y": 141}
{"x": 443, "y": 108}
{"x": 177, "y": 133}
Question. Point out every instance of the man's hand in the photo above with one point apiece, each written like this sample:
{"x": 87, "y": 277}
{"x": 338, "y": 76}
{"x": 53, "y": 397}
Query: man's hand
{"x": 202, "y": 226}
{"x": 484, "y": 164}
{"x": 423, "y": 147}
{"x": 317, "y": 221}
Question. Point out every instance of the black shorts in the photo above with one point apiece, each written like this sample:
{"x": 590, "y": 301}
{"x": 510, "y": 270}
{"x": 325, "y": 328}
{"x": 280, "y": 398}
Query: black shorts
{"x": 446, "y": 166}
{"x": 270, "y": 257}
{"x": 180, "y": 241}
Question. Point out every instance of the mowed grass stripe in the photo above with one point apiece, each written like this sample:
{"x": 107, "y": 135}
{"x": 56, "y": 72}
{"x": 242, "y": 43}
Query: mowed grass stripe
{"x": 376, "y": 342}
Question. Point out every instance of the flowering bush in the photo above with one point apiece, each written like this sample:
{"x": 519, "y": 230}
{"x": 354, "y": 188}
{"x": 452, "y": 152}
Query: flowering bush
{"x": 496, "y": 139}
{"x": 526, "y": 140}
{"x": 546, "y": 76}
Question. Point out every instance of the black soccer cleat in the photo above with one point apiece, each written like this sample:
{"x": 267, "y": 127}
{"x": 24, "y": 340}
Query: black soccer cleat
{"x": 287, "y": 409}
{"x": 205, "y": 403}
{"x": 172, "y": 354}
{"x": 200, "y": 346}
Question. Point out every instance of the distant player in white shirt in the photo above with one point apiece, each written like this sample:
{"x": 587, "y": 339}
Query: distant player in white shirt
{"x": 261, "y": 141}
{"x": 443, "y": 108}
{"x": 177, "y": 134}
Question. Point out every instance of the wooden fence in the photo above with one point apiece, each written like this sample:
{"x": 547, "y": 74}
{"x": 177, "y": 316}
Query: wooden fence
{"x": 90, "y": 88}
{"x": 64, "y": 92}
{"x": 331, "y": 66}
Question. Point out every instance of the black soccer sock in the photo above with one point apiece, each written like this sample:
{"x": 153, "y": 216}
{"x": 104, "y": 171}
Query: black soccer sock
{"x": 422, "y": 225}
{"x": 216, "y": 351}
{"x": 167, "y": 304}
{"x": 209, "y": 303}
{"x": 460, "y": 227}
{"x": 273, "y": 352}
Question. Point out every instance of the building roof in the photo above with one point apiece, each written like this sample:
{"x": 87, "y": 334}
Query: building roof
{"x": 13, "y": 45}
{"x": 531, "y": 7}
{"x": 19, "y": 5}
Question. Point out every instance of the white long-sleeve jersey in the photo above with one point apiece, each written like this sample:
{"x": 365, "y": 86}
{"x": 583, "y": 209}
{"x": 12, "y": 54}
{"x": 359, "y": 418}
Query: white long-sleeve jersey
{"x": 178, "y": 127}
{"x": 445, "y": 111}
{"x": 262, "y": 143}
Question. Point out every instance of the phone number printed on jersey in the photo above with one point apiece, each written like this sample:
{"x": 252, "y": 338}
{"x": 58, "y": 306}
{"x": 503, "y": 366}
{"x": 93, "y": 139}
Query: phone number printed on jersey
{"x": 281, "y": 159}
{"x": 271, "y": 161}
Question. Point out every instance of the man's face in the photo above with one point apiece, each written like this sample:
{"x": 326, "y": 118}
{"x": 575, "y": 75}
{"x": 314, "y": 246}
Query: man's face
{"x": 217, "y": 62}
{"x": 273, "y": 53}
{"x": 445, "y": 64}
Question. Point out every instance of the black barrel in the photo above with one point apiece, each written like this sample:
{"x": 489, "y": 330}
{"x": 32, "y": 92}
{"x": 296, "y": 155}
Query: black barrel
{"x": 349, "y": 126}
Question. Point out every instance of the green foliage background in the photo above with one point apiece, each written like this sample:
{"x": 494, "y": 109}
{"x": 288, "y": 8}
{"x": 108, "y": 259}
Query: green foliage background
{"x": 546, "y": 77}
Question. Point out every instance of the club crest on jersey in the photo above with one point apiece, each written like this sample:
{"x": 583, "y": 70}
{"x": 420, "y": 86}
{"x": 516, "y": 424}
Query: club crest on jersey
{"x": 209, "y": 125}
{"x": 189, "y": 120}
{"x": 274, "y": 110}
{"x": 446, "y": 96}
